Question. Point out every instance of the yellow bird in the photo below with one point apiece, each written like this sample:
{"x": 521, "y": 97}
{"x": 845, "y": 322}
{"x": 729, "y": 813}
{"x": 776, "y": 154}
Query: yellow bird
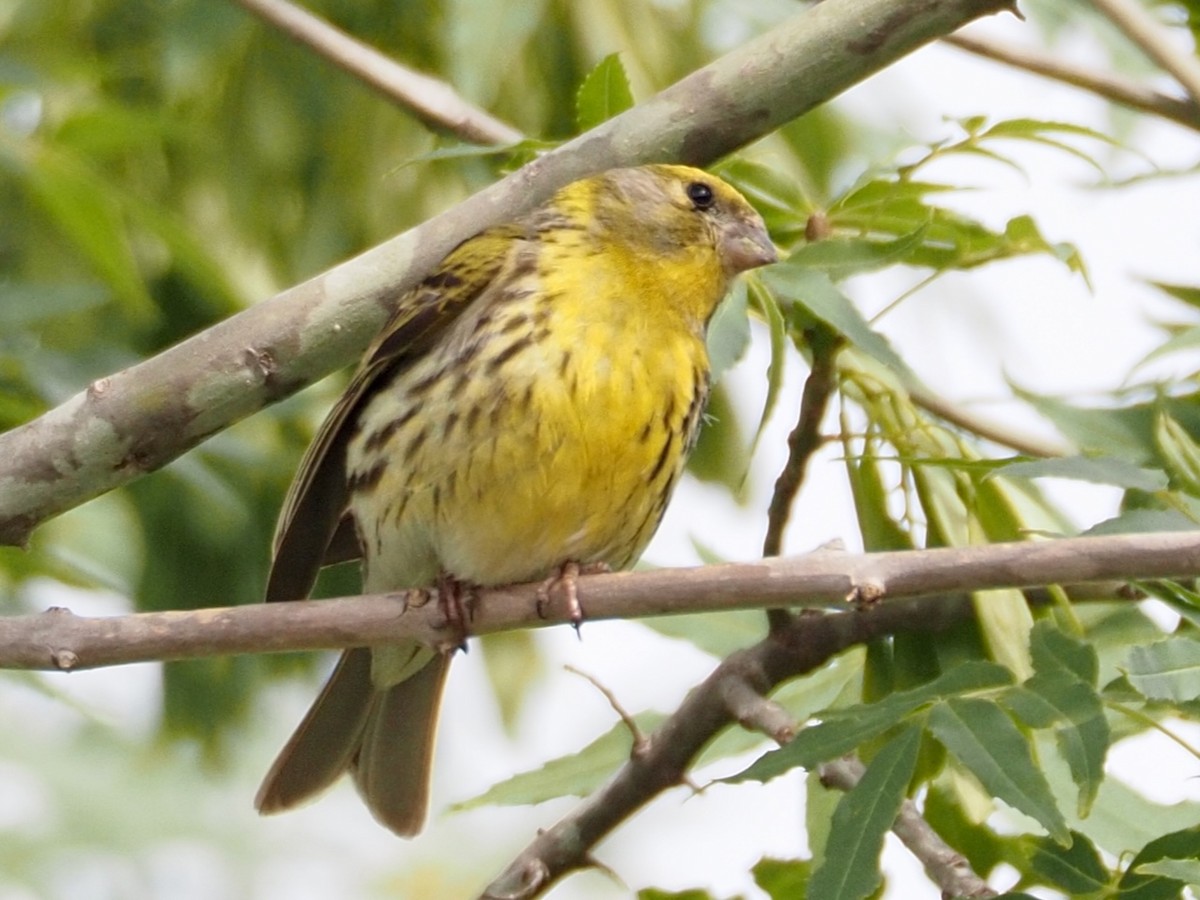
{"x": 529, "y": 407}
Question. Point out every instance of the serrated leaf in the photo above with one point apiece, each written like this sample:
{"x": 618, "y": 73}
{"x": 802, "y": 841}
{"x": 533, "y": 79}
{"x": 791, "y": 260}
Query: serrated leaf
{"x": 850, "y": 870}
{"x": 574, "y": 775}
{"x": 1076, "y": 869}
{"x": 1168, "y": 670}
{"x": 1092, "y": 469}
{"x": 845, "y": 729}
{"x": 783, "y": 879}
{"x": 1052, "y": 651}
{"x": 817, "y": 293}
{"x": 985, "y": 740}
{"x": 605, "y": 92}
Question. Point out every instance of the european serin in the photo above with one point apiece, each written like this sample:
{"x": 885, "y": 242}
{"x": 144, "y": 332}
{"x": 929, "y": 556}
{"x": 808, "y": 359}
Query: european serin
{"x": 530, "y": 405}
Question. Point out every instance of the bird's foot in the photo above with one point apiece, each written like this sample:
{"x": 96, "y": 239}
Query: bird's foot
{"x": 565, "y": 581}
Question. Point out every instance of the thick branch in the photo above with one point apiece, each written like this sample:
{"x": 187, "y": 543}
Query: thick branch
{"x": 60, "y": 640}
{"x": 138, "y": 420}
{"x": 432, "y": 101}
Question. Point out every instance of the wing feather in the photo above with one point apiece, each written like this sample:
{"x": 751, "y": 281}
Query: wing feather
{"x": 313, "y": 529}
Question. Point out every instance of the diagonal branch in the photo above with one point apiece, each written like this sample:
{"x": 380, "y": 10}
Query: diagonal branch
{"x": 829, "y": 579}
{"x": 800, "y": 646}
{"x": 432, "y": 101}
{"x": 1103, "y": 84}
{"x": 136, "y": 421}
{"x": 1155, "y": 40}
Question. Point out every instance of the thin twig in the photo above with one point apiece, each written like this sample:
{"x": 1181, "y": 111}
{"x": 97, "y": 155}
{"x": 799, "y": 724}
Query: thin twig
{"x": 1137, "y": 24}
{"x": 1103, "y": 84}
{"x": 805, "y": 438}
{"x": 1029, "y": 444}
{"x": 432, "y": 101}
{"x": 57, "y": 639}
{"x": 945, "y": 866}
{"x": 639, "y": 736}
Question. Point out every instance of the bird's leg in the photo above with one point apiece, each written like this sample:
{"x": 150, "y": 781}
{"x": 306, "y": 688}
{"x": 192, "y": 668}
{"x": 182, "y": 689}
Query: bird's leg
{"x": 565, "y": 580}
{"x": 455, "y": 599}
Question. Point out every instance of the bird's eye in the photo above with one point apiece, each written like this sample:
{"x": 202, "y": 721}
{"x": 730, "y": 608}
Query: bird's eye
{"x": 701, "y": 195}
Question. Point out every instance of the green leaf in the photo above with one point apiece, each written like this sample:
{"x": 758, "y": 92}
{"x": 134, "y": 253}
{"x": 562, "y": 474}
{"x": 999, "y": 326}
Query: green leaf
{"x": 844, "y": 730}
{"x": 1053, "y": 651}
{"x": 1076, "y": 869}
{"x": 850, "y": 870}
{"x": 1185, "y": 870}
{"x": 783, "y": 879}
{"x": 1092, "y": 469}
{"x": 1168, "y": 670}
{"x": 690, "y": 894}
{"x": 871, "y": 501}
{"x": 717, "y": 634}
{"x": 815, "y": 292}
{"x": 574, "y": 775}
{"x": 1108, "y": 432}
{"x": 720, "y": 455}
{"x": 1139, "y": 885}
{"x": 840, "y": 257}
{"x": 1186, "y": 293}
{"x": 1142, "y": 521}
{"x": 985, "y": 740}
{"x": 729, "y": 331}
{"x": 604, "y": 93}
{"x": 1179, "y": 452}
{"x": 765, "y": 304}
{"x": 26, "y": 304}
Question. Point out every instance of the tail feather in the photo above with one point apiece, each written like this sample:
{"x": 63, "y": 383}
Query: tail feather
{"x": 395, "y": 755}
{"x": 385, "y": 737}
{"x": 324, "y": 744}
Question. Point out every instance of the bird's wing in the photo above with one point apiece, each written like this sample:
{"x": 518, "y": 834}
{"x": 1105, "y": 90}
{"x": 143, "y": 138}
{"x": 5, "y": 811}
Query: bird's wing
{"x": 314, "y": 530}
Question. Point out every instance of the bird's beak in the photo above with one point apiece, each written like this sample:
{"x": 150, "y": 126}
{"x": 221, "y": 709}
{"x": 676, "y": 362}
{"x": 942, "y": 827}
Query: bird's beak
{"x": 745, "y": 245}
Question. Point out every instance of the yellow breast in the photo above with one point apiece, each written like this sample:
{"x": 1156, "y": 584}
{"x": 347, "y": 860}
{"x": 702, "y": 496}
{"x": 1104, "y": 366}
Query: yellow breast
{"x": 551, "y": 428}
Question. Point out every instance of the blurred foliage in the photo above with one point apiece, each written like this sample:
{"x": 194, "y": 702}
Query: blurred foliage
{"x": 162, "y": 165}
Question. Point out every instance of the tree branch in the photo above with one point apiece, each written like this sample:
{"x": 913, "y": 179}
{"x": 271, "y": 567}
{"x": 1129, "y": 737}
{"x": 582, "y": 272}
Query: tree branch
{"x": 58, "y": 639}
{"x": 432, "y": 101}
{"x": 1103, "y": 84}
{"x": 805, "y": 439}
{"x": 800, "y": 646}
{"x": 1154, "y": 39}
{"x": 138, "y": 420}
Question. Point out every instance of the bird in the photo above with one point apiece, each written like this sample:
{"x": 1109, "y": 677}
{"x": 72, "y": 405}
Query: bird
{"x": 526, "y": 411}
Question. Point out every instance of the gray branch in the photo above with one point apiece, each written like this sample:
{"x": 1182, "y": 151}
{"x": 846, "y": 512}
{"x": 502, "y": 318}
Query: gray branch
{"x": 432, "y": 101}
{"x": 827, "y": 579}
{"x": 137, "y": 420}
